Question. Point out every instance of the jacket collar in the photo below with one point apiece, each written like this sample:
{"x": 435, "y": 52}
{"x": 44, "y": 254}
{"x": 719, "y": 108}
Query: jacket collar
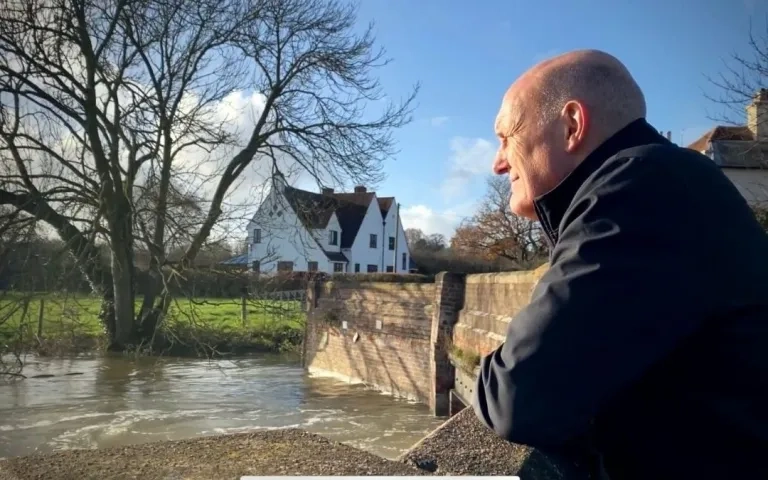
{"x": 551, "y": 207}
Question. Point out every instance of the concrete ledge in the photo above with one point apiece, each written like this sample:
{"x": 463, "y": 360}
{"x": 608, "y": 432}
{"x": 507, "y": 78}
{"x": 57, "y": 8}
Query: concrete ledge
{"x": 464, "y": 446}
{"x": 524, "y": 276}
{"x": 277, "y": 452}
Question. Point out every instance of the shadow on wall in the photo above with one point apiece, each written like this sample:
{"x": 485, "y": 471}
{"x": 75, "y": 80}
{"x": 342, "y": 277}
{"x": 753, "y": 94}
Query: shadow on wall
{"x": 372, "y": 332}
{"x": 397, "y": 337}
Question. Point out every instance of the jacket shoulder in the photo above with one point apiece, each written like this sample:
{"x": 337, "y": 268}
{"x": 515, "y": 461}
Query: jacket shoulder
{"x": 661, "y": 165}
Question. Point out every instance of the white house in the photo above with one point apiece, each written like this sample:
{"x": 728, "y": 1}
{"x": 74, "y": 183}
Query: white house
{"x": 742, "y": 151}
{"x": 297, "y": 230}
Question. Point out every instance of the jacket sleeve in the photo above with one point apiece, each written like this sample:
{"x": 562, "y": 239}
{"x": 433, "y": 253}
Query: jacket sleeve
{"x": 618, "y": 297}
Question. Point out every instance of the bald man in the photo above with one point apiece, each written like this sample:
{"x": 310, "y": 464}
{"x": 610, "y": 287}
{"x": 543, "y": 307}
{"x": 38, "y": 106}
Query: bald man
{"x": 645, "y": 345}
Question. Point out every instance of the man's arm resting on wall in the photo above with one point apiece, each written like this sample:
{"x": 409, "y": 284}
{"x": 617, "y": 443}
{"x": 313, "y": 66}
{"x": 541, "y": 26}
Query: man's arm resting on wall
{"x": 615, "y": 300}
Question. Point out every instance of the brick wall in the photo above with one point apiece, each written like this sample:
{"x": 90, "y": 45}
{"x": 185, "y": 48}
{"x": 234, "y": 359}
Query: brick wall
{"x": 399, "y": 337}
{"x": 386, "y": 342}
{"x": 491, "y": 300}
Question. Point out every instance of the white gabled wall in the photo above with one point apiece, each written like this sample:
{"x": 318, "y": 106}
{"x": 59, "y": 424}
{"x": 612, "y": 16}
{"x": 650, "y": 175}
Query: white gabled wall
{"x": 283, "y": 238}
{"x": 323, "y": 234}
{"x": 401, "y": 245}
{"x": 362, "y": 254}
{"x": 360, "y": 251}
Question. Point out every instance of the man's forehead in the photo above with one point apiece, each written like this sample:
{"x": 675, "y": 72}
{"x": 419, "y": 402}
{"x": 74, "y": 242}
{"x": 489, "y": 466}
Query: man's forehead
{"x": 505, "y": 117}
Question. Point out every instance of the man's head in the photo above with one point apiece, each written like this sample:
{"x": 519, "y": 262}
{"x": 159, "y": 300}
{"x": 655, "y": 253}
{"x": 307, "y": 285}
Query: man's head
{"x": 556, "y": 114}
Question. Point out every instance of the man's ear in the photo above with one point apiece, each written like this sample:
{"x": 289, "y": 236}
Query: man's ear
{"x": 576, "y": 120}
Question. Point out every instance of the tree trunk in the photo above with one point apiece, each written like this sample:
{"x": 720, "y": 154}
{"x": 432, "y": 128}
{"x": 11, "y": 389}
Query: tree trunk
{"x": 121, "y": 249}
{"x": 122, "y": 284}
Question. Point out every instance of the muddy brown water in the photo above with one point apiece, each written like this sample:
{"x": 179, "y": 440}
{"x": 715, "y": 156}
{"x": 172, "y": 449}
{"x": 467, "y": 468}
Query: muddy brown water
{"x": 114, "y": 401}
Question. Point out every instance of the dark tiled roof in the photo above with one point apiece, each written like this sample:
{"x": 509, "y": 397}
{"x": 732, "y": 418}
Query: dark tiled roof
{"x": 385, "y": 204}
{"x": 740, "y": 154}
{"x": 722, "y": 132}
{"x": 336, "y": 257}
{"x": 313, "y": 209}
{"x": 350, "y": 218}
{"x": 351, "y": 212}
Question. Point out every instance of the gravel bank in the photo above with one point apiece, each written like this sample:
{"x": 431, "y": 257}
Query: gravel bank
{"x": 277, "y": 452}
{"x": 464, "y": 446}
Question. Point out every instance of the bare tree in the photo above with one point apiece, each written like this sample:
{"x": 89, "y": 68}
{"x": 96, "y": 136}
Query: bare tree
{"x": 418, "y": 240}
{"x": 109, "y": 122}
{"x": 495, "y": 232}
{"x": 741, "y": 77}
{"x": 742, "y": 88}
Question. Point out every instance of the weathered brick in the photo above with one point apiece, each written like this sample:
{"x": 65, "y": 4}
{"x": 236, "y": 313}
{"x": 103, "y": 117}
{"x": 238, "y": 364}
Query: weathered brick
{"x": 420, "y": 324}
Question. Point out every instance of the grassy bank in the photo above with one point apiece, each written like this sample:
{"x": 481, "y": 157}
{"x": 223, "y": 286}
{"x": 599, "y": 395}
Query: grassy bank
{"x": 198, "y": 326}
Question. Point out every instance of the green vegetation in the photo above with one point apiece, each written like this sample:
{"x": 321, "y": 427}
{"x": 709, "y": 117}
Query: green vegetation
{"x": 465, "y": 360}
{"x": 200, "y": 326}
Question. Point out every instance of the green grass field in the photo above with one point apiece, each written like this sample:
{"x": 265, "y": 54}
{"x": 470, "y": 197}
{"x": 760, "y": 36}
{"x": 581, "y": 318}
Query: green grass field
{"x": 269, "y": 324}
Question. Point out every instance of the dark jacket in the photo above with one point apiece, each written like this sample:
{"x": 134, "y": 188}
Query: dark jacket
{"x": 648, "y": 336}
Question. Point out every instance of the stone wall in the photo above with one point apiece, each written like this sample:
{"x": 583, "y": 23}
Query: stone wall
{"x": 375, "y": 333}
{"x": 404, "y": 338}
{"x": 491, "y": 301}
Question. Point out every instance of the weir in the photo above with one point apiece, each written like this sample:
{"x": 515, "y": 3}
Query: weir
{"x": 415, "y": 340}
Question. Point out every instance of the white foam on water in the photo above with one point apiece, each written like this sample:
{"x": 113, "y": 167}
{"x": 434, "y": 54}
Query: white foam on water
{"x": 48, "y": 423}
{"x": 320, "y": 373}
{"x": 245, "y": 429}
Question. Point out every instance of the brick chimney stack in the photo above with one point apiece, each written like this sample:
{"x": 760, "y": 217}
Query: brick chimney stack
{"x": 360, "y": 189}
{"x": 757, "y": 115}
{"x": 327, "y": 191}
{"x": 669, "y": 135}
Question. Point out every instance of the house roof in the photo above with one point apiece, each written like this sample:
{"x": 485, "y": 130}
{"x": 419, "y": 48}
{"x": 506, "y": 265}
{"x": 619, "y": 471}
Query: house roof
{"x": 740, "y": 154}
{"x": 385, "y": 203}
{"x": 336, "y": 257}
{"x": 733, "y": 147}
{"x": 313, "y": 209}
{"x": 722, "y": 132}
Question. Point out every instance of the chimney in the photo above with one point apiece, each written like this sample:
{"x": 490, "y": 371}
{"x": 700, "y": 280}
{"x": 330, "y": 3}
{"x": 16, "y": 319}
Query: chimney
{"x": 360, "y": 189}
{"x": 669, "y": 135}
{"x": 327, "y": 191}
{"x": 757, "y": 115}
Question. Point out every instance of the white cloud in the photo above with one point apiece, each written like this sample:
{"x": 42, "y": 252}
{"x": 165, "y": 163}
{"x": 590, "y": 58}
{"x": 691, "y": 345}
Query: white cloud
{"x": 470, "y": 157}
{"x": 439, "y": 121}
{"x": 430, "y": 221}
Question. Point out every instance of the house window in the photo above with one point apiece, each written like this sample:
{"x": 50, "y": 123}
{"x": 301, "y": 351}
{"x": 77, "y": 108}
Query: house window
{"x": 338, "y": 267}
{"x": 257, "y": 235}
{"x": 373, "y": 240}
{"x": 373, "y": 268}
{"x": 256, "y": 266}
{"x": 391, "y": 243}
{"x": 284, "y": 266}
{"x": 333, "y": 237}
{"x": 312, "y": 266}
{"x": 357, "y": 268}
{"x": 390, "y": 269}
{"x": 405, "y": 261}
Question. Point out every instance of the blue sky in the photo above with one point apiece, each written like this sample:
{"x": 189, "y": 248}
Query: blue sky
{"x": 465, "y": 54}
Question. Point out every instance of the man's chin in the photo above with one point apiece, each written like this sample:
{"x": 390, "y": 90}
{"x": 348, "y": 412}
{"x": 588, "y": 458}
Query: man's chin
{"x": 521, "y": 208}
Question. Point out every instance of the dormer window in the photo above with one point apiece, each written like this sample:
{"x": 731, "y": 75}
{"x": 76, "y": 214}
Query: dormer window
{"x": 333, "y": 237}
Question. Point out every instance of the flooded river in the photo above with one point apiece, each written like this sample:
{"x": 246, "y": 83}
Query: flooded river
{"x": 117, "y": 401}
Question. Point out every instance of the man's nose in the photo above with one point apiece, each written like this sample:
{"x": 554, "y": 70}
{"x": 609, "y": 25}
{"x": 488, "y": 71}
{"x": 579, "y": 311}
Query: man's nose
{"x": 500, "y": 165}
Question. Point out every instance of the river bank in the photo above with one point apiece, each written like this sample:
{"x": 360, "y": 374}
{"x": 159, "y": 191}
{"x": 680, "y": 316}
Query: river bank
{"x": 57, "y": 324}
{"x": 281, "y": 452}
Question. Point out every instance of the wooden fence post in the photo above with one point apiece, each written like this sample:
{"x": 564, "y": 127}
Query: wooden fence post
{"x": 40, "y": 318}
{"x": 244, "y": 309}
